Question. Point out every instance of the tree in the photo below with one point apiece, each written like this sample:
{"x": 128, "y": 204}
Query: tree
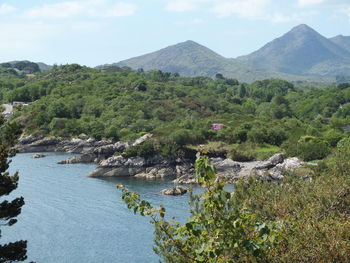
{"x": 15, "y": 251}
{"x": 216, "y": 231}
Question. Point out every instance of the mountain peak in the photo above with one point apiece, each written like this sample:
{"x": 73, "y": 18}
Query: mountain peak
{"x": 188, "y": 44}
{"x": 303, "y": 27}
{"x": 342, "y": 41}
{"x": 187, "y": 58}
{"x": 299, "y": 51}
{"x": 303, "y": 30}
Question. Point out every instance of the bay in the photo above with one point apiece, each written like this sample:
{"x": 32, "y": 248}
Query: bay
{"x": 69, "y": 217}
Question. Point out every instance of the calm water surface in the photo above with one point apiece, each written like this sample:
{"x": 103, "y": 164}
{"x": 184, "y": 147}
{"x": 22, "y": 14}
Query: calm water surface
{"x": 72, "y": 218}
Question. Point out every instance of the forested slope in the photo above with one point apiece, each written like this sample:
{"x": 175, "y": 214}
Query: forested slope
{"x": 120, "y": 104}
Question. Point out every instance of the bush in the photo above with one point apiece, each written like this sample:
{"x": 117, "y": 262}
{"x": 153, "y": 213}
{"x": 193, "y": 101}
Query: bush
{"x": 242, "y": 153}
{"x": 309, "y": 148}
{"x": 145, "y": 149}
{"x": 261, "y": 135}
{"x": 181, "y": 137}
{"x": 215, "y": 232}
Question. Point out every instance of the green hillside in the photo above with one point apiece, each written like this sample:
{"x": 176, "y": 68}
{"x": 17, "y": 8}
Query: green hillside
{"x": 118, "y": 104}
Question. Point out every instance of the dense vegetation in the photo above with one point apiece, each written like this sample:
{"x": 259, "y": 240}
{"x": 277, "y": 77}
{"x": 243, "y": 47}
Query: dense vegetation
{"x": 116, "y": 103}
{"x": 296, "y": 220}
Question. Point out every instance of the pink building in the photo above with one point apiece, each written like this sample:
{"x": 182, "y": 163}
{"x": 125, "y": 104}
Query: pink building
{"x": 217, "y": 126}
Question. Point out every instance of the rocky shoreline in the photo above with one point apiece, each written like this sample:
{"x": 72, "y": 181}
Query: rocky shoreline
{"x": 107, "y": 155}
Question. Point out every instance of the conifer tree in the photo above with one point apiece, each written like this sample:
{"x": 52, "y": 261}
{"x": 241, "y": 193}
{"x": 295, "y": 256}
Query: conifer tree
{"x": 9, "y": 210}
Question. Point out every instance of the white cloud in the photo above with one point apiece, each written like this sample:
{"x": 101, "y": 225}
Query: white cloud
{"x": 254, "y": 9}
{"x": 249, "y": 9}
{"x": 121, "y": 9}
{"x": 181, "y": 5}
{"x": 347, "y": 12}
{"x": 94, "y": 8}
{"x": 6, "y": 8}
{"x": 304, "y": 3}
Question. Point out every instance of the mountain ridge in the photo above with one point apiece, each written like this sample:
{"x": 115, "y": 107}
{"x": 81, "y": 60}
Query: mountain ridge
{"x": 300, "y": 54}
{"x": 300, "y": 51}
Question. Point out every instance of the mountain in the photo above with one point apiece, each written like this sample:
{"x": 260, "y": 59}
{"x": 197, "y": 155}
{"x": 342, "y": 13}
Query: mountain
{"x": 300, "y": 54}
{"x": 192, "y": 59}
{"x": 188, "y": 59}
{"x": 301, "y": 51}
{"x": 342, "y": 41}
{"x": 44, "y": 67}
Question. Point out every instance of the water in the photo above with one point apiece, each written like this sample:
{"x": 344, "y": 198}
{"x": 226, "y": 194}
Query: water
{"x": 72, "y": 218}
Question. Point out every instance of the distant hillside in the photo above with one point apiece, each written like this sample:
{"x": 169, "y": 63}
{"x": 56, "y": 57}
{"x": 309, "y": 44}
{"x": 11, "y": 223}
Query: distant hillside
{"x": 188, "y": 59}
{"x": 26, "y": 66}
{"x": 300, "y": 54}
{"x": 44, "y": 67}
{"x": 342, "y": 41}
{"x": 301, "y": 51}
{"x": 192, "y": 59}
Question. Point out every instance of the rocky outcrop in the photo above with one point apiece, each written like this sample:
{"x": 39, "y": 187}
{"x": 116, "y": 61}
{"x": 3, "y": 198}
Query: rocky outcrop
{"x": 84, "y": 158}
{"x": 91, "y": 150}
{"x": 153, "y": 167}
{"x": 275, "y": 168}
{"x": 156, "y": 172}
{"x": 103, "y": 152}
{"x": 176, "y": 190}
{"x": 38, "y": 155}
{"x": 279, "y": 171}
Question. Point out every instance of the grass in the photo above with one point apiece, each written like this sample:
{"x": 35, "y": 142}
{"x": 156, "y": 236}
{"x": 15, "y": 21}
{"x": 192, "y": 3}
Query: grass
{"x": 221, "y": 149}
{"x": 265, "y": 151}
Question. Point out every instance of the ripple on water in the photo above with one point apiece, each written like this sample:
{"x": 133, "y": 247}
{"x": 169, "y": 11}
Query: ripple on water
{"x": 72, "y": 218}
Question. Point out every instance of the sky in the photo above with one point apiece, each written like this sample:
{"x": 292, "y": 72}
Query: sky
{"x": 95, "y": 32}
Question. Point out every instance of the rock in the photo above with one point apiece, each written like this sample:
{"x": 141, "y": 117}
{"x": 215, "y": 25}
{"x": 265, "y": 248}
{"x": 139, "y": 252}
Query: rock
{"x": 225, "y": 166}
{"x": 177, "y": 190}
{"x": 45, "y": 142}
{"x": 83, "y": 136}
{"x": 166, "y": 172}
{"x": 186, "y": 179}
{"x": 156, "y": 172}
{"x": 118, "y": 161}
{"x": 30, "y": 139}
{"x": 271, "y": 162}
{"x": 280, "y": 170}
{"x": 142, "y": 139}
{"x": 84, "y": 158}
{"x": 38, "y": 155}
{"x": 290, "y": 164}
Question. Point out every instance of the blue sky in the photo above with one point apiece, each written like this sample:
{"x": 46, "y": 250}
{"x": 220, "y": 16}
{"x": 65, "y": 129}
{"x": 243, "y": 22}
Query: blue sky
{"x": 94, "y": 32}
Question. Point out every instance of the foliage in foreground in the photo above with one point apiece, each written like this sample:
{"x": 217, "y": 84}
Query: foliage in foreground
{"x": 14, "y": 251}
{"x": 301, "y": 219}
{"x": 215, "y": 231}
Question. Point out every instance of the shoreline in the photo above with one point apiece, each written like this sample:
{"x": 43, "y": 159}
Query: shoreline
{"x": 103, "y": 153}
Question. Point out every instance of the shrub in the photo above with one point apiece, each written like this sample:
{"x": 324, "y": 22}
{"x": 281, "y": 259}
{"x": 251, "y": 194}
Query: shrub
{"x": 145, "y": 149}
{"x": 309, "y": 148}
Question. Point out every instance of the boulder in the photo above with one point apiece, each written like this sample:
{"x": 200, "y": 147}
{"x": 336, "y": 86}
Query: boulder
{"x": 290, "y": 164}
{"x": 271, "y": 162}
{"x": 176, "y": 190}
{"x": 142, "y": 139}
{"x": 225, "y": 166}
{"x": 38, "y": 155}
